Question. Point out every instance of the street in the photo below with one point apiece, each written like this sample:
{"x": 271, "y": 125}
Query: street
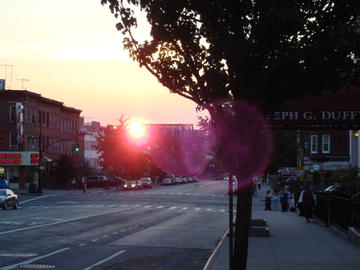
{"x": 166, "y": 227}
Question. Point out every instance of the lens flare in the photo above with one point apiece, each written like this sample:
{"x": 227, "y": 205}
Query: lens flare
{"x": 136, "y": 130}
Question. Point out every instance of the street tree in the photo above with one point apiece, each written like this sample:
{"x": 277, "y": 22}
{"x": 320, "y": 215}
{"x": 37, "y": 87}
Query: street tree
{"x": 64, "y": 171}
{"x": 119, "y": 155}
{"x": 264, "y": 52}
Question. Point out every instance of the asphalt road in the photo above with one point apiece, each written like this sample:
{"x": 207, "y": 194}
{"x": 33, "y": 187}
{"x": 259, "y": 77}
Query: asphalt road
{"x": 167, "y": 227}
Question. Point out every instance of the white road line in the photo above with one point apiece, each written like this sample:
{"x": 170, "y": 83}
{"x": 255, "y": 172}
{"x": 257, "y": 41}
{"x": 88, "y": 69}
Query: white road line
{"x": 54, "y": 223}
{"x": 94, "y": 240}
{"x": 104, "y": 260}
{"x": 197, "y": 209}
{"x": 184, "y": 208}
{"x": 13, "y": 266}
{"x": 209, "y": 210}
{"x": 161, "y": 206}
{"x": 147, "y": 206}
{"x": 37, "y": 198}
{"x": 173, "y": 207}
{"x": 82, "y": 244}
{"x": 222, "y": 210}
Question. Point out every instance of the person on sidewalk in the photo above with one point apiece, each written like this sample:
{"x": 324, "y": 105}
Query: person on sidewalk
{"x": 284, "y": 200}
{"x": 307, "y": 200}
{"x": 268, "y": 198}
{"x": 275, "y": 200}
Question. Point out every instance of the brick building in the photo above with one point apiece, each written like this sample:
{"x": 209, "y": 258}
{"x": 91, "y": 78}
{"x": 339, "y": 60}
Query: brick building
{"x": 30, "y": 122}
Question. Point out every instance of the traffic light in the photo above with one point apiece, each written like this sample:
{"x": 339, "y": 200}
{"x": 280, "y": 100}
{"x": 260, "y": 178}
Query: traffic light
{"x": 76, "y": 148}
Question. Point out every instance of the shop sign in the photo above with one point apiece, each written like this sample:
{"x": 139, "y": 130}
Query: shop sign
{"x": 23, "y": 158}
{"x": 325, "y": 118}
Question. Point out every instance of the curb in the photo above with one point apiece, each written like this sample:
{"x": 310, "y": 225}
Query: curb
{"x": 216, "y": 251}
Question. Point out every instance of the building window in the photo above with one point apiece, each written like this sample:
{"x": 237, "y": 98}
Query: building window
{"x": 13, "y": 141}
{"x": 12, "y": 113}
{"x": 326, "y": 143}
{"x": 314, "y": 144}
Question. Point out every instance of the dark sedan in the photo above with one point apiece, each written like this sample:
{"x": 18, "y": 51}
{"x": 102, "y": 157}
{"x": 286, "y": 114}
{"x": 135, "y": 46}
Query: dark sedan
{"x": 8, "y": 199}
{"x": 132, "y": 185}
{"x": 146, "y": 182}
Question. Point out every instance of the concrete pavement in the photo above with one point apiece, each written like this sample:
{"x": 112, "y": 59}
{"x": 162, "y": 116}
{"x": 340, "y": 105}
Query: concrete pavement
{"x": 293, "y": 244}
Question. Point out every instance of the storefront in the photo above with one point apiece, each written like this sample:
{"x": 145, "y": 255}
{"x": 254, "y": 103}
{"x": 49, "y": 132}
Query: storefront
{"x": 19, "y": 168}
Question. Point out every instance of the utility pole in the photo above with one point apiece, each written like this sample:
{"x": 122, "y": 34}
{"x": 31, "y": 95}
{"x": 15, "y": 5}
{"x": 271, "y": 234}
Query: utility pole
{"x": 22, "y": 82}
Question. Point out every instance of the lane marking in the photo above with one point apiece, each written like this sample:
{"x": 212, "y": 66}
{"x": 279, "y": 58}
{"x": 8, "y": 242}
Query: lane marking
{"x": 37, "y": 266}
{"x": 37, "y": 198}
{"x": 184, "y": 208}
{"x": 173, "y": 207}
{"x": 55, "y": 223}
{"x": 13, "y": 266}
{"x": 104, "y": 260}
{"x": 197, "y": 209}
{"x": 18, "y": 254}
{"x": 25, "y": 216}
{"x": 94, "y": 240}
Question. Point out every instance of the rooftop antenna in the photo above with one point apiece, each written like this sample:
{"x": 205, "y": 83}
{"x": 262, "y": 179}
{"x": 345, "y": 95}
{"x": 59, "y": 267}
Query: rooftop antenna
{"x": 22, "y": 83}
{"x": 11, "y": 72}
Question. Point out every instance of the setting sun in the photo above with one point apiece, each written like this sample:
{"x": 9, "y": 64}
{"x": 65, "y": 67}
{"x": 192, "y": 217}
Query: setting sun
{"x": 136, "y": 130}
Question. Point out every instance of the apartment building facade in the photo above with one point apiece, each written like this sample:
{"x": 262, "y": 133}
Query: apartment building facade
{"x": 34, "y": 132}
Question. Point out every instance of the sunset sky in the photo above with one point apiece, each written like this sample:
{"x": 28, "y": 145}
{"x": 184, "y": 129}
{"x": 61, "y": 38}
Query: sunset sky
{"x": 70, "y": 51}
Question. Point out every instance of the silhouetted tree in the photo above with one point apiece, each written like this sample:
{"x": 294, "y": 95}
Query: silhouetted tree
{"x": 119, "y": 155}
{"x": 64, "y": 171}
{"x": 266, "y": 52}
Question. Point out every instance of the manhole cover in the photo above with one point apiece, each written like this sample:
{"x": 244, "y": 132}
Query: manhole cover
{"x": 37, "y": 266}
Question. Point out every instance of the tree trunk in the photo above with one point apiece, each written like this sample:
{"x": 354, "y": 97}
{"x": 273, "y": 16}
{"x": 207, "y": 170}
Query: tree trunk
{"x": 243, "y": 214}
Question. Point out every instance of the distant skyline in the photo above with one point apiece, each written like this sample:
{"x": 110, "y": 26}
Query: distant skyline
{"x": 70, "y": 51}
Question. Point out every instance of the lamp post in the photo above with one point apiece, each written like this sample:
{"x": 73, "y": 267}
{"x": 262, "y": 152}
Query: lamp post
{"x": 41, "y": 167}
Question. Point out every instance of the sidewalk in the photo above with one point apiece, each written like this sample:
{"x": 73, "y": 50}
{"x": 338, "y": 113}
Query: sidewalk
{"x": 293, "y": 244}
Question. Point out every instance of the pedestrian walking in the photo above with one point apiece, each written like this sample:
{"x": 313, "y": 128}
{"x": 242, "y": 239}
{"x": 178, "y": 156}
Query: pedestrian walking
{"x": 307, "y": 200}
{"x": 275, "y": 200}
{"x": 268, "y": 198}
{"x": 83, "y": 184}
{"x": 284, "y": 200}
{"x": 258, "y": 183}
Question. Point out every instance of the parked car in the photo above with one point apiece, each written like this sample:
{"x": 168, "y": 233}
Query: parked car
{"x": 332, "y": 188}
{"x": 146, "y": 182}
{"x": 168, "y": 181}
{"x": 4, "y": 183}
{"x": 193, "y": 179}
{"x": 8, "y": 199}
{"x": 132, "y": 185}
